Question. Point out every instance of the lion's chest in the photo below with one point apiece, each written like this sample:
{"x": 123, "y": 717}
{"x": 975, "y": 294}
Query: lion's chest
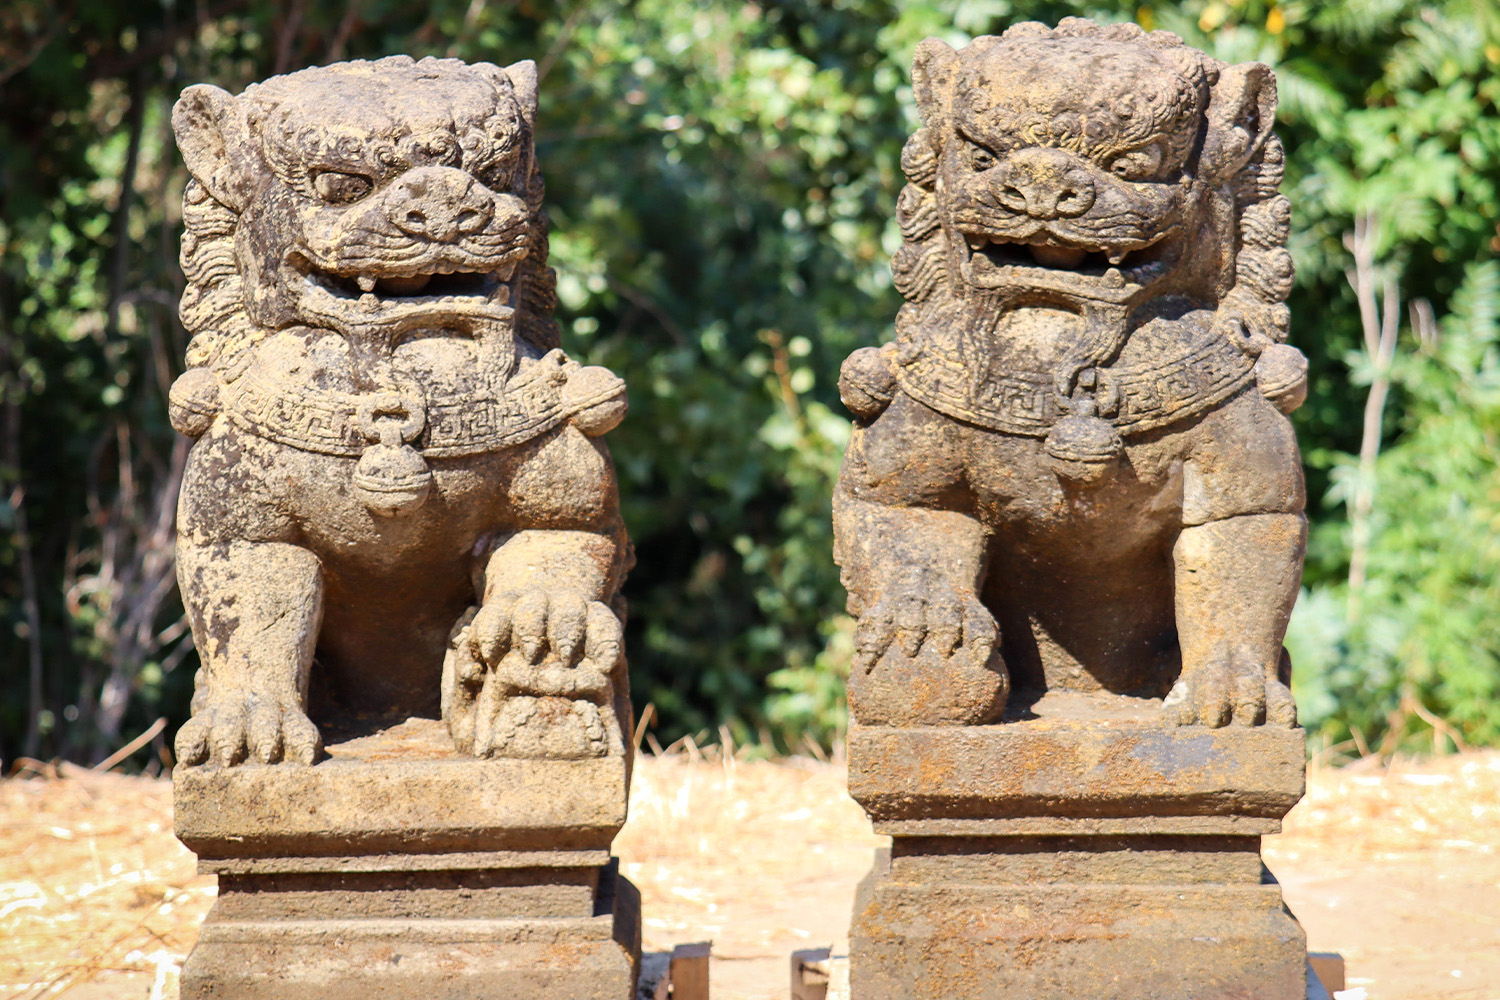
{"x": 915, "y": 454}
{"x": 1002, "y": 373}
{"x": 277, "y": 492}
{"x": 1019, "y": 494}
{"x": 307, "y": 414}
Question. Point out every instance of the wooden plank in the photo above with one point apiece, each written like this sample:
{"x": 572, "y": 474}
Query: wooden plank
{"x": 1329, "y": 967}
{"x": 810, "y": 973}
{"x": 690, "y": 971}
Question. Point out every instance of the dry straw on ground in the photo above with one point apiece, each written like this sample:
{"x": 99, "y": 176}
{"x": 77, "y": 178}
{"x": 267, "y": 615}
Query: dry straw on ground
{"x": 92, "y": 884}
{"x": 98, "y": 900}
{"x": 1372, "y": 811}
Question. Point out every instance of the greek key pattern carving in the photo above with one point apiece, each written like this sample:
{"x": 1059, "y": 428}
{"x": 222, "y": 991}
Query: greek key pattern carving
{"x": 327, "y": 422}
{"x": 1144, "y": 398}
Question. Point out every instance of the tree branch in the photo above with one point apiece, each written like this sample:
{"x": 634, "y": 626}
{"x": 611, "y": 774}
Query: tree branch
{"x": 1380, "y": 324}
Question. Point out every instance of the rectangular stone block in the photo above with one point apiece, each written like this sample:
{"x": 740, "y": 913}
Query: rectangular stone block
{"x": 1080, "y": 850}
{"x": 456, "y": 894}
{"x": 910, "y": 941}
{"x": 351, "y": 957}
{"x": 398, "y": 868}
{"x": 1051, "y": 775}
{"x": 1107, "y": 859}
{"x": 404, "y": 791}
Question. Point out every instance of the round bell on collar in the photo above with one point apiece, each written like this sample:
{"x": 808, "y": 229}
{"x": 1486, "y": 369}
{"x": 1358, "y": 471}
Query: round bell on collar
{"x": 1082, "y": 445}
{"x": 392, "y": 477}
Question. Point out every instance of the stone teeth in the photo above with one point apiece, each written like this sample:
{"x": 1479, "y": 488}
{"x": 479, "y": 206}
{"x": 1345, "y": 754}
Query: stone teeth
{"x": 975, "y": 241}
{"x": 1117, "y": 257}
{"x": 366, "y": 282}
{"x": 1114, "y": 277}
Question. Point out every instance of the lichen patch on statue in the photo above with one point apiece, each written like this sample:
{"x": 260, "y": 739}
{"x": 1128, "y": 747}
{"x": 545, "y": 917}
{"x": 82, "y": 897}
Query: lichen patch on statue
{"x": 389, "y": 438}
{"x": 1072, "y": 468}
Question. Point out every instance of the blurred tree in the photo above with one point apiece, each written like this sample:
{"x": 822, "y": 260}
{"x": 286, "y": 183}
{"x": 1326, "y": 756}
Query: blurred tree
{"x": 723, "y": 177}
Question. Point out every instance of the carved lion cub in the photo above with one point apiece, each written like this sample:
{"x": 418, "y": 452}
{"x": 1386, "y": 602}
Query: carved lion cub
{"x": 1072, "y": 470}
{"x": 386, "y": 430}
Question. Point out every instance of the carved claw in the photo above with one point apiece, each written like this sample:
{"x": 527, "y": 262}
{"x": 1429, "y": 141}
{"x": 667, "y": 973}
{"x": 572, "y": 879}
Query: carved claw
{"x": 559, "y": 625}
{"x": 926, "y": 655}
{"x": 944, "y": 623}
{"x": 1231, "y": 690}
{"x": 263, "y": 728}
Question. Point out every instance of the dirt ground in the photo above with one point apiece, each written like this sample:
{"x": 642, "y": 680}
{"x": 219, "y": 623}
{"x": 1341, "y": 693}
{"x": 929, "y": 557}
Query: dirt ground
{"x": 1397, "y": 868}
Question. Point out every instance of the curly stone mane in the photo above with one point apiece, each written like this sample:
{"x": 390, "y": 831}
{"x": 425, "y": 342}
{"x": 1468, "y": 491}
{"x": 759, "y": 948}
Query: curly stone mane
{"x": 1259, "y": 275}
{"x": 212, "y": 308}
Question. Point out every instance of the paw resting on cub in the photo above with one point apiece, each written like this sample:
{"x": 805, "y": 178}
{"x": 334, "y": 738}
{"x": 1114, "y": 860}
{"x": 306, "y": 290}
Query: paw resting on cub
{"x": 530, "y": 674}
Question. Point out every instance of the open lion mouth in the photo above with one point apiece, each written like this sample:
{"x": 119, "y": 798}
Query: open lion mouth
{"x": 403, "y": 298}
{"x": 993, "y": 262}
{"x": 425, "y": 285}
{"x": 434, "y": 285}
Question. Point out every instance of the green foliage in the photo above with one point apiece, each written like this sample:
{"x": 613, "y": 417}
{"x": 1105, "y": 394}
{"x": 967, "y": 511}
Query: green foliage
{"x": 722, "y": 182}
{"x": 1418, "y": 640}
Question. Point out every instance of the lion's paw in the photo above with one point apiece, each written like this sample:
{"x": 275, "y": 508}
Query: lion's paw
{"x": 526, "y": 674}
{"x": 1231, "y": 690}
{"x": 927, "y": 655}
{"x": 556, "y": 626}
{"x": 259, "y": 728}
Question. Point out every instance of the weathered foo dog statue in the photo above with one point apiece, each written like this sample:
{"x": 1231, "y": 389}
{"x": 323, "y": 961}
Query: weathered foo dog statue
{"x": 386, "y": 429}
{"x": 1072, "y": 469}
{"x": 1072, "y": 511}
{"x": 397, "y": 505}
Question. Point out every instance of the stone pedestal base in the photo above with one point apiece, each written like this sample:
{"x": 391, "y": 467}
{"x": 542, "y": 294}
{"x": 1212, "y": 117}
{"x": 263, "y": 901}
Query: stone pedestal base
{"x": 960, "y": 940}
{"x": 1075, "y": 854}
{"x": 336, "y": 957}
{"x": 400, "y": 869}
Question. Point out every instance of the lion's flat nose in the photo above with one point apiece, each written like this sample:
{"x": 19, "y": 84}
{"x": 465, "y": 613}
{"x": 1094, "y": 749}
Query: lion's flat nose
{"x": 1044, "y": 184}
{"x": 439, "y": 203}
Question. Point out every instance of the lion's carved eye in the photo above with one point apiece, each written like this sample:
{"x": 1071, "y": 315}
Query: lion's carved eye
{"x": 339, "y": 188}
{"x": 981, "y": 158}
{"x": 1137, "y": 164}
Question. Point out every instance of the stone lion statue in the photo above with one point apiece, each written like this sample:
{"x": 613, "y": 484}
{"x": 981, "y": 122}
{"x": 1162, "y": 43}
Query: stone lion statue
{"x": 1072, "y": 469}
{"x": 397, "y": 502}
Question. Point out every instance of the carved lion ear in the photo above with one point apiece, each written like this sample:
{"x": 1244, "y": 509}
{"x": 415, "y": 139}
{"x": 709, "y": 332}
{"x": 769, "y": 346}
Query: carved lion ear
{"x": 216, "y": 146}
{"x": 1241, "y": 111}
{"x": 523, "y": 79}
{"x": 932, "y": 77}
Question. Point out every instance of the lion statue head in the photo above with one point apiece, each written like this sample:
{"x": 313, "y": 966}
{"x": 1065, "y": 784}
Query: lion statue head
{"x": 369, "y": 198}
{"x": 366, "y": 264}
{"x": 1079, "y": 164}
{"x": 1097, "y": 171}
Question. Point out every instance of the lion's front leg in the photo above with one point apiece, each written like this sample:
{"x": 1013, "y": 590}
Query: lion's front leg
{"x": 533, "y": 671}
{"x": 255, "y": 608}
{"x": 1236, "y": 582}
{"x": 926, "y": 650}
